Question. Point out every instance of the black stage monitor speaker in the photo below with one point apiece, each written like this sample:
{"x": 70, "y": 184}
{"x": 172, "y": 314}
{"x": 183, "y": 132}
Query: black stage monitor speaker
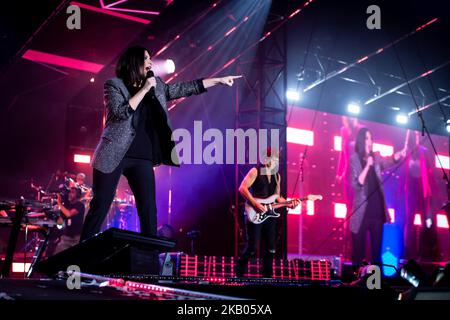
{"x": 112, "y": 251}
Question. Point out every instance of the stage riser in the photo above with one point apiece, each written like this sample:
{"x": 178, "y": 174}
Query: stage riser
{"x": 224, "y": 267}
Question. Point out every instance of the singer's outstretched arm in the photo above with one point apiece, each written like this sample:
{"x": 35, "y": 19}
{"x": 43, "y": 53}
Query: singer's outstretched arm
{"x": 187, "y": 88}
{"x": 229, "y": 80}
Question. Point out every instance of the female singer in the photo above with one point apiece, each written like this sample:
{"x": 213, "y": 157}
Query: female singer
{"x": 136, "y": 136}
{"x": 369, "y": 206}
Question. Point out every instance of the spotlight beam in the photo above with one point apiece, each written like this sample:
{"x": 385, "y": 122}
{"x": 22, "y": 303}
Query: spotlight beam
{"x": 112, "y": 4}
{"x": 57, "y": 60}
{"x": 111, "y": 13}
{"x": 362, "y": 59}
{"x": 429, "y": 105}
{"x": 214, "y": 45}
{"x": 171, "y": 42}
{"x": 425, "y": 74}
{"x": 135, "y": 11}
{"x": 264, "y": 37}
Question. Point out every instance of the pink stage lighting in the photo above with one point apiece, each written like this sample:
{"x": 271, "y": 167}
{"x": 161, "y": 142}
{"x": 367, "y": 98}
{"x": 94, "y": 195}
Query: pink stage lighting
{"x": 392, "y": 214}
{"x": 340, "y": 210}
{"x": 81, "y": 158}
{"x": 20, "y": 267}
{"x": 444, "y": 160}
{"x": 61, "y": 61}
{"x": 109, "y": 11}
{"x": 299, "y": 136}
{"x": 417, "y": 219}
{"x": 310, "y": 208}
{"x": 383, "y": 149}
{"x": 163, "y": 67}
{"x": 442, "y": 221}
{"x": 337, "y": 143}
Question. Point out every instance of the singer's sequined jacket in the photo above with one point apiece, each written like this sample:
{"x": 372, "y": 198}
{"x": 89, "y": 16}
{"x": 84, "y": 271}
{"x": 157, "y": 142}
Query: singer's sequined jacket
{"x": 119, "y": 129}
{"x": 361, "y": 191}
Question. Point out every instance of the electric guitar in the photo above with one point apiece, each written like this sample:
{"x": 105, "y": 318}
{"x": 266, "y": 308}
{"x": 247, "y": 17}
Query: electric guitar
{"x": 270, "y": 205}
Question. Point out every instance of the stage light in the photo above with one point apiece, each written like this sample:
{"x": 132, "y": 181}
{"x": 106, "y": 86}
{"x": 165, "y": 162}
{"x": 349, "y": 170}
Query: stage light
{"x": 310, "y": 208}
{"x": 92, "y": 80}
{"x": 337, "y": 143}
{"x": 170, "y": 66}
{"x": 81, "y": 158}
{"x": 390, "y": 262}
{"x": 293, "y": 95}
{"x": 163, "y": 67}
{"x": 401, "y": 118}
{"x": 354, "y": 108}
{"x": 441, "y": 221}
{"x": 20, "y": 267}
{"x": 417, "y": 219}
{"x": 441, "y": 159}
{"x": 448, "y": 125}
{"x": 384, "y": 149}
{"x": 340, "y": 210}
{"x": 392, "y": 214}
{"x": 57, "y": 60}
{"x": 299, "y": 136}
{"x": 413, "y": 273}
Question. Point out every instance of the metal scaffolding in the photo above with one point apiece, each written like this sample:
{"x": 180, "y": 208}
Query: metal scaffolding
{"x": 261, "y": 104}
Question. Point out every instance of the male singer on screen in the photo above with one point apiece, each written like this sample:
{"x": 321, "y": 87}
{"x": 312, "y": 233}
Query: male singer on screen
{"x": 136, "y": 136}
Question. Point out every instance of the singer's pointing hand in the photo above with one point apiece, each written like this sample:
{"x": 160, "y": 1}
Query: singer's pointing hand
{"x": 229, "y": 80}
{"x": 149, "y": 83}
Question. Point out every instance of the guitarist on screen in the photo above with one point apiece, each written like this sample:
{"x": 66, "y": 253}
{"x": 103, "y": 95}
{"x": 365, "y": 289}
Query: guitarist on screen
{"x": 261, "y": 182}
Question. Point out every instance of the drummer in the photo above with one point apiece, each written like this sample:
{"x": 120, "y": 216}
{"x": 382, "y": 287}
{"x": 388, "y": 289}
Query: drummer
{"x": 86, "y": 191}
{"x": 72, "y": 213}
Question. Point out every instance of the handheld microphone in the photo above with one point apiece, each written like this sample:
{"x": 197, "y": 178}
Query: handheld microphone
{"x": 150, "y": 74}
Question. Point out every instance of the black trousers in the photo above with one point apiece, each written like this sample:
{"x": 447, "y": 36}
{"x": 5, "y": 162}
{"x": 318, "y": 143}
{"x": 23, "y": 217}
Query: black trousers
{"x": 417, "y": 204}
{"x": 141, "y": 179}
{"x": 265, "y": 234}
{"x": 375, "y": 228}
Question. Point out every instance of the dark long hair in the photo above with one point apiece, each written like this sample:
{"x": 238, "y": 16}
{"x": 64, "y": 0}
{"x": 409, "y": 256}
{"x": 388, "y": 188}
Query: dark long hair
{"x": 128, "y": 67}
{"x": 360, "y": 143}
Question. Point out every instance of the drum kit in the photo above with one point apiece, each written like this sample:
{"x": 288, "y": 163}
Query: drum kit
{"x": 27, "y": 215}
{"x": 122, "y": 213}
{"x": 42, "y": 216}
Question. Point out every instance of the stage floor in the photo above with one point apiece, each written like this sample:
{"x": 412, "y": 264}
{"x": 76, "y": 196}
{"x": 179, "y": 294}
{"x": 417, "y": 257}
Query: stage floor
{"x": 193, "y": 289}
